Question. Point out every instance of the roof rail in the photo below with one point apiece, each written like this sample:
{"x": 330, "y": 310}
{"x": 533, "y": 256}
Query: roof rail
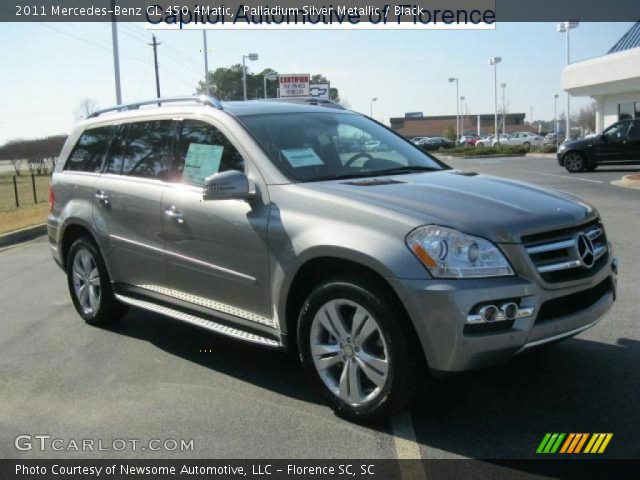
{"x": 203, "y": 99}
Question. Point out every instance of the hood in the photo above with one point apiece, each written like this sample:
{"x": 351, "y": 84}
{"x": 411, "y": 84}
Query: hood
{"x": 583, "y": 142}
{"x": 494, "y": 208}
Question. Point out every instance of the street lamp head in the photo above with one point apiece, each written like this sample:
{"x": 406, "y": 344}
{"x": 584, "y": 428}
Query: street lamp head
{"x": 252, "y": 56}
{"x": 451, "y": 79}
{"x": 556, "y": 96}
{"x": 495, "y": 60}
{"x": 461, "y": 98}
{"x": 503, "y": 85}
{"x": 374, "y": 99}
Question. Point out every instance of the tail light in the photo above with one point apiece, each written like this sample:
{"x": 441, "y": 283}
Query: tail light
{"x": 51, "y": 198}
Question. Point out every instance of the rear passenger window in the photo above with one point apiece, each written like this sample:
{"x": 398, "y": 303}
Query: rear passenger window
{"x": 88, "y": 153}
{"x": 202, "y": 151}
{"x": 145, "y": 150}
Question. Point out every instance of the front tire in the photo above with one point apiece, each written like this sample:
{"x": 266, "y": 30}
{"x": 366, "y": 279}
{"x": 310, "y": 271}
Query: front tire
{"x": 575, "y": 162}
{"x": 90, "y": 285}
{"x": 357, "y": 351}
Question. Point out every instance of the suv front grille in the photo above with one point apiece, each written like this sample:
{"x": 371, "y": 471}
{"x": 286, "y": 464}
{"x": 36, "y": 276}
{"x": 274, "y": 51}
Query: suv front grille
{"x": 568, "y": 254}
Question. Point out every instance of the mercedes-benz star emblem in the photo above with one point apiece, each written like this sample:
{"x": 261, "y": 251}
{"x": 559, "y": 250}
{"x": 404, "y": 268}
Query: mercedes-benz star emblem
{"x": 585, "y": 250}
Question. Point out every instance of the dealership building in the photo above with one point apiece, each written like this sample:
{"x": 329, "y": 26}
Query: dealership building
{"x": 414, "y": 124}
{"x": 612, "y": 80}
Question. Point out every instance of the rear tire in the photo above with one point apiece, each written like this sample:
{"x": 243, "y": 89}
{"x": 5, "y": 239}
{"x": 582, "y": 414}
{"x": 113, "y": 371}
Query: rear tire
{"x": 575, "y": 162}
{"x": 90, "y": 285}
{"x": 527, "y": 145}
{"x": 479, "y": 144}
{"x": 357, "y": 351}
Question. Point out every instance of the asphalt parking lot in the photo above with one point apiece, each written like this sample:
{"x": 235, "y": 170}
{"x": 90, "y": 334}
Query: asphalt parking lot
{"x": 148, "y": 378}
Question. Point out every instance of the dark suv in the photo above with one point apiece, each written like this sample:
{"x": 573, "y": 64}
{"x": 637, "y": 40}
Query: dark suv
{"x": 618, "y": 144}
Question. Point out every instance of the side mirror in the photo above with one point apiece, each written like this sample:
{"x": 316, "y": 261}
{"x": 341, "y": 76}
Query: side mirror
{"x": 229, "y": 185}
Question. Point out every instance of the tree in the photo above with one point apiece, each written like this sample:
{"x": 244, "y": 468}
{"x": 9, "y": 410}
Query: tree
{"x": 85, "y": 107}
{"x": 40, "y": 153}
{"x": 225, "y": 83}
{"x": 449, "y": 132}
{"x": 586, "y": 118}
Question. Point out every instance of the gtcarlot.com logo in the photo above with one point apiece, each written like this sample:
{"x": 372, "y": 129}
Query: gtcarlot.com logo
{"x": 44, "y": 442}
{"x": 574, "y": 443}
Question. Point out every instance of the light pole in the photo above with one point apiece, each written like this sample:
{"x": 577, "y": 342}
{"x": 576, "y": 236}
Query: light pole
{"x": 462, "y": 129}
{"x": 206, "y": 64}
{"x": 555, "y": 117}
{"x": 495, "y": 61}
{"x": 269, "y": 76}
{"x": 374, "y": 99}
{"x": 451, "y": 80}
{"x": 565, "y": 27}
{"x": 250, "y": 56}
{"x": 531, "y": 116}
{"x": 504, "y": 108}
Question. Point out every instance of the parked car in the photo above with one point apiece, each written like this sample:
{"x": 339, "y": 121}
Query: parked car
{"x": 552, "y": 138}
{"x": 417, "y": 140}
{"x": 468, "y": 140}
{"x": 618, "y": 144}
{"x": 490, "y": 140}
{"x": 243, "y": 219}
{"x": 526, "y": 139}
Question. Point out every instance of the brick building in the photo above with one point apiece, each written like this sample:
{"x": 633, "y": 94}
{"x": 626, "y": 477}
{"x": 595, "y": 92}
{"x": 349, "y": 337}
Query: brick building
{"x": 434, "y": 126}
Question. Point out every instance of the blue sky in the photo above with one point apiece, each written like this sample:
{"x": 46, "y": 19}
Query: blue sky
{"x": 48, "y": 68}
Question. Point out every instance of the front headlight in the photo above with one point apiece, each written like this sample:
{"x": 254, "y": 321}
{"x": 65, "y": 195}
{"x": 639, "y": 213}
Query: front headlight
{"x": 448, "y": 253}
{"x": 562, "y": 147}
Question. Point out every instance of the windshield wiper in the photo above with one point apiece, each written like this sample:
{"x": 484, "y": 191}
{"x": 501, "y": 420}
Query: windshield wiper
{"x": 403, "y": 169}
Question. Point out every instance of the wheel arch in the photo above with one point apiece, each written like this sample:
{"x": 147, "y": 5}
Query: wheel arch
{"x": 314, "y": 270}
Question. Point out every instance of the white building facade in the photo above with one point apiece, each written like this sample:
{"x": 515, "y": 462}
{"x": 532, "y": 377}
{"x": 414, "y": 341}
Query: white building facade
{"x": 612, "y": 80}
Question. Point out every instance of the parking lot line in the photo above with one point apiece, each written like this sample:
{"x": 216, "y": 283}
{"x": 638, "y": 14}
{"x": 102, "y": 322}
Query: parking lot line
{"x": 562, "y": 176}
{"x": 404, "y": 439}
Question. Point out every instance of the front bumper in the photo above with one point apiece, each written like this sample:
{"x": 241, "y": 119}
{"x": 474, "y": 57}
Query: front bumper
{"x": 439, "y": 310}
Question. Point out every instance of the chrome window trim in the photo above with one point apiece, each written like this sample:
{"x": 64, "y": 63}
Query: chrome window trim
{"x": 189, "y": 259}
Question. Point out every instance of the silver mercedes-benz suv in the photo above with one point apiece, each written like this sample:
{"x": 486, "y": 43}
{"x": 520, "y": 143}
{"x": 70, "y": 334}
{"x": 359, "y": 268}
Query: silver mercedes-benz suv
{"x": 274, "y": 223}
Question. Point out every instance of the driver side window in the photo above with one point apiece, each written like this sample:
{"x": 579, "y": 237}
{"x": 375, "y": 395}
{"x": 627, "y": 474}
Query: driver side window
{"x": 616, "y": 133}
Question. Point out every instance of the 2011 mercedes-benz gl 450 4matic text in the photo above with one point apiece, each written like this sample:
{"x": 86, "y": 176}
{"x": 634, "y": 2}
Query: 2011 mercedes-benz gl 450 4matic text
{"x": 272, "y": 223}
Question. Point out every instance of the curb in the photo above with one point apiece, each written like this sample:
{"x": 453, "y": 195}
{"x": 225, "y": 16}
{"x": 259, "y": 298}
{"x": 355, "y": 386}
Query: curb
{"x": 23, "y": 235}
{"x": 542, "y": 155}
{"x": 627, "y": 181}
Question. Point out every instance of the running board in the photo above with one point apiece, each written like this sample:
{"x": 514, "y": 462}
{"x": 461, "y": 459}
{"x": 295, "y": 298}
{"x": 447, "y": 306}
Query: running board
{"x": 199, "y": 321}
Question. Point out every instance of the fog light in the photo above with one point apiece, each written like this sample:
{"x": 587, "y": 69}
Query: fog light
{"x": 509, "y": 310}
{"x": 489, "y": 313}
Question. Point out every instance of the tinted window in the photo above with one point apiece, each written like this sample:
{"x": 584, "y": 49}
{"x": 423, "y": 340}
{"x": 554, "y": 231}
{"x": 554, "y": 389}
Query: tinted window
{"x": 88, "y": 153}
{"x": 616, "y": 132}
{"x": 146, "y": 151}
{"x": 202, "y": 151}
{"x": 634, "y": 131}
{"x": 326, "y": 144}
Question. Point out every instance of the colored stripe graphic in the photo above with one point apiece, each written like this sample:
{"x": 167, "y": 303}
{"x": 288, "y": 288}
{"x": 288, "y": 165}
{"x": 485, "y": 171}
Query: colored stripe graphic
{"x": 573, "y": 443}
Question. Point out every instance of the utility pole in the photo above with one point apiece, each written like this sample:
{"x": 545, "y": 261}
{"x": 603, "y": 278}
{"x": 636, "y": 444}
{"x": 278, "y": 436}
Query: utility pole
{"x": 206, "y": 64}
{"x": 116, "y": 60}
{"x": 504, "y": 109}
{"x": 155, "y": 60}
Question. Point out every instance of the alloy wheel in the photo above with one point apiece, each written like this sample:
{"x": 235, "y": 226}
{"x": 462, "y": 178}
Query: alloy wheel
{"x": 86, "y": 281}
{"x": 574, "y": 162}
{"x": 349, "y": 351}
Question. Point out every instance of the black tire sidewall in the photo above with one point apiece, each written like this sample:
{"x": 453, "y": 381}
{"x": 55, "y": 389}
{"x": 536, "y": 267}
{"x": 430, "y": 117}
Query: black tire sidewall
{"x": 401, "y": 366}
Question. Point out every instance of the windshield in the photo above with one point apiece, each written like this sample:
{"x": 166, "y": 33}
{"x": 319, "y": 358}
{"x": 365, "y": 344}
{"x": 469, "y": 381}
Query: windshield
{"x": 329, "y": 145}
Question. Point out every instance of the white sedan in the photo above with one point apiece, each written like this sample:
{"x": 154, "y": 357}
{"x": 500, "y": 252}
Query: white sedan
{"x": 526, "y": 139}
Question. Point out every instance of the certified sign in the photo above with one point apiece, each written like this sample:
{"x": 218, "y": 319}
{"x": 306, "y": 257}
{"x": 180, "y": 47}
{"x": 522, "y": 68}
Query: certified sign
{"x": 294, "y": 85}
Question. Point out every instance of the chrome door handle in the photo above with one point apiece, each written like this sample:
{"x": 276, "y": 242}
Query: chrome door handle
{"x": 102, "y": 197}
{"x": 174, "y": 214}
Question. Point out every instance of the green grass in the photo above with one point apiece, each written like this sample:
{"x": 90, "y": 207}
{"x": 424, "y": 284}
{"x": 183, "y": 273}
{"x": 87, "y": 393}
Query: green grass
{"x": 482, "y": 151}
